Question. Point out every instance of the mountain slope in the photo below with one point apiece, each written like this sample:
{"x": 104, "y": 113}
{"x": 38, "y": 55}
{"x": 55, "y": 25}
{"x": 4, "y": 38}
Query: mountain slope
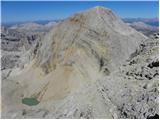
{"x": 96, "y": 29}
{"x": 70, "y": 63}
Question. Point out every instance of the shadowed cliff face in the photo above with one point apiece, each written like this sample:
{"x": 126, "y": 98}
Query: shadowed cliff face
{"x": 74, "y": 57}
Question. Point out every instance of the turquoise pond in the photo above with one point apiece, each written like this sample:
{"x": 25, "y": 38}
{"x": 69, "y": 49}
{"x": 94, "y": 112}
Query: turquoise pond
{"x": 30, "y": 101}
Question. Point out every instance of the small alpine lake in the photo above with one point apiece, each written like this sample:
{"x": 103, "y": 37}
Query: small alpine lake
{"x": 30, "y": 101}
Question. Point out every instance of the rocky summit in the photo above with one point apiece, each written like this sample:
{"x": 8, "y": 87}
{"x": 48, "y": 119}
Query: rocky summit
{"x": 90, "y": 65}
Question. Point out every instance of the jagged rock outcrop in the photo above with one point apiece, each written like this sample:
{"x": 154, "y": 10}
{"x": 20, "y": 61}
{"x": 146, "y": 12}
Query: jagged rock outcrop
{"x": 14, "y": 44}
{"x": 138, "y": 83}
{"x": 78, "y": 71}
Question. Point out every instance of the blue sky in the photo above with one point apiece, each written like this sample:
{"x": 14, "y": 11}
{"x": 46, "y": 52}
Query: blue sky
{"x": 16, "y": 11}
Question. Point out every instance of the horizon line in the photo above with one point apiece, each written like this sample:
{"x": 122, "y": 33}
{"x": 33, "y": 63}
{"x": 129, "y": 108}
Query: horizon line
{"x": 11, "y": 22}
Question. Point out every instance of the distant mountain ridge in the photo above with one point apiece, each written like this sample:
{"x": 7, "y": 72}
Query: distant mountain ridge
{"x": 149, "y": 21}
{"x": 41, "y": 22}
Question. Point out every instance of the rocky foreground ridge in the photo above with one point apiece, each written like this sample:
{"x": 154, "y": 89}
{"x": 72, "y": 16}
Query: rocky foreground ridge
{"x": 91, "y": 65}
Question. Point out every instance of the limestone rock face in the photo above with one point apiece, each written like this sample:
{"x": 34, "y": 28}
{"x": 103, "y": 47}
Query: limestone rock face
{"x": 76, "y": 70}
{"x": 97, "y": 32}
{"x": 86, "y": 44}
{"x": 14, "y": 44}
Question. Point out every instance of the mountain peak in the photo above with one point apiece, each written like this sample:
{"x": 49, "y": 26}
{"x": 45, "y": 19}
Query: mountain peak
{"x": 93, "y": 15}
{"x": 92, "y": 42}
{"x": 99, "y": 8}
